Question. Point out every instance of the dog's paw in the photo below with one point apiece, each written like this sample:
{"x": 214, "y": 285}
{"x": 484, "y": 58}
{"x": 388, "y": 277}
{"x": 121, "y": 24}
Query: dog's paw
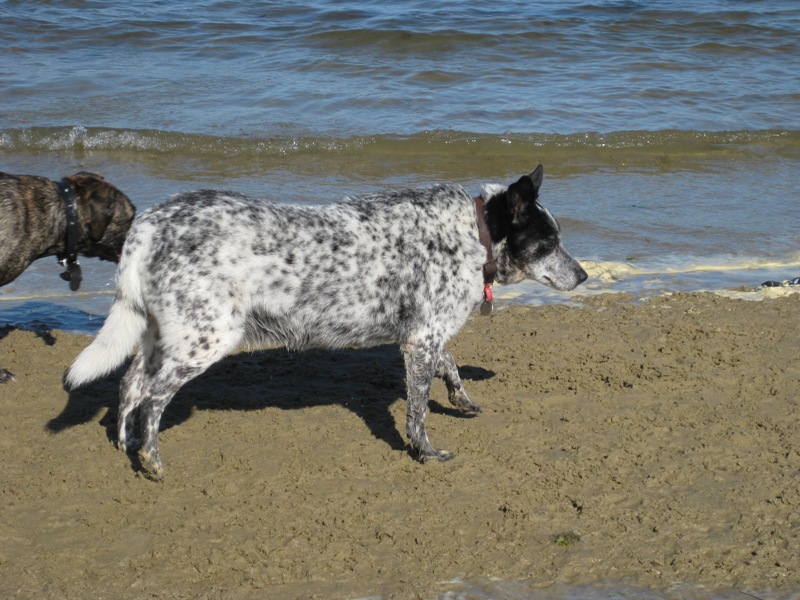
{"x": 6, "y": 376}
{"x": 440, "y": 455}
{"x": 128, "y": 446}
{"x": 463, "y": 402}
{"x": 151, "y": 466}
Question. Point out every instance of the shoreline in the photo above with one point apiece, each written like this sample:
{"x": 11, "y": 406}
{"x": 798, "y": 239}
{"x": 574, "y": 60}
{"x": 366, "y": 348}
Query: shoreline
{"x": 662, "y": 434}
{"x": 84, "y": 313}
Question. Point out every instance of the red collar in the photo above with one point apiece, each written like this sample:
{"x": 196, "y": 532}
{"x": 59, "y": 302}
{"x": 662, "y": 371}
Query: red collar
{"x": 490, "y": 266}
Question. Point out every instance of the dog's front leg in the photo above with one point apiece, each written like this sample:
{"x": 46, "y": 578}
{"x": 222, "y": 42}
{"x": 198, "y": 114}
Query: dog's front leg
{"x": 448, "y": 371}
{"x": 421, "y": 361}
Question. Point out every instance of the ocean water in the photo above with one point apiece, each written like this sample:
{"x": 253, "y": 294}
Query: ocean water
{"x": 669, "y": 131}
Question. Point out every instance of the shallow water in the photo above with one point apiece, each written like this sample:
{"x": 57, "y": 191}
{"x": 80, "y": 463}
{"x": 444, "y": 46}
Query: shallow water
{"x": 669, "y": 133}
{"x": 648, "y": 211}
{"x": 521, "y": 590}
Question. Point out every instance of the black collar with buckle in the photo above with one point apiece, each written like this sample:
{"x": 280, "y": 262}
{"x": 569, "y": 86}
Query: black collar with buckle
{"x": 490, "y": 266}
{"x": 69, "y": 259}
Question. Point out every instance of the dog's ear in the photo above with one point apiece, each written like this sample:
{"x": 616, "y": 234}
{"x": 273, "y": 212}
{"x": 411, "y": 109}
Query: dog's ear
{"x": 93, "y": 193}
{"x": 522, "y": 196}
{"x": 101, "y": 212}
{"x": 89, "y": 174}
{"x": 536, "y": 177}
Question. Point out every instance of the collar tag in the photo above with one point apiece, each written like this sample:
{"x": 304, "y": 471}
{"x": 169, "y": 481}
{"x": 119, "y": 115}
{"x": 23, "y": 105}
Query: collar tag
{"x": 72, "y": 274}
{"x": 487, "y": 307}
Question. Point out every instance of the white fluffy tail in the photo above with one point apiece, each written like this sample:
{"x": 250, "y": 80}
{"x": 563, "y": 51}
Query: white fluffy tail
{"x": 119, "y": 335}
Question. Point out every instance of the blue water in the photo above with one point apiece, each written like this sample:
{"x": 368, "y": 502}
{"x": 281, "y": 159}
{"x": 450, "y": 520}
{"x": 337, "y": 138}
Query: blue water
{"x": 364, "y": 68}
{"x": 669, "y": 131}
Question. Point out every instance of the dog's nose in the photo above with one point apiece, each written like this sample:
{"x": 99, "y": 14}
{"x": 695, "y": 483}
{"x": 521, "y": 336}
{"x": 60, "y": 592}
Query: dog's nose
{"x": 582, "y": 276}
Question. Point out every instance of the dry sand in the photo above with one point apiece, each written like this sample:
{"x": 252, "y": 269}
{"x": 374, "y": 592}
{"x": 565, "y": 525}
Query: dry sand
{"x": 659, "y": 440}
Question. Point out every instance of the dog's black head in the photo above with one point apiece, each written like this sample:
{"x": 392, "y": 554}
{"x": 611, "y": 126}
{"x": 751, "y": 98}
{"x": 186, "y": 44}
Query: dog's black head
{"x": 105, "y": 214}
{"x": 526, "y": 236}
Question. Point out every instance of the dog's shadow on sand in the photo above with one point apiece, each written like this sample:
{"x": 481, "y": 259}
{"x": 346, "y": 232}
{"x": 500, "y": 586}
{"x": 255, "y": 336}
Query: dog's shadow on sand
{"x": 41, "y": 331}
{"x": 366, "y": 381}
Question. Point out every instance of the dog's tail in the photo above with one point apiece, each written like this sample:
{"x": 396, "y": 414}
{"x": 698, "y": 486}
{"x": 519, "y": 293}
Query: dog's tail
{"x": 122, "y": 331}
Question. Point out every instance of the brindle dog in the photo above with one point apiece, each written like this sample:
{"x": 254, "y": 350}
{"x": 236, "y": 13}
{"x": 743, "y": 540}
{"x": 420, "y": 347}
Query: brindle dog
{"x": 82, "y": 214}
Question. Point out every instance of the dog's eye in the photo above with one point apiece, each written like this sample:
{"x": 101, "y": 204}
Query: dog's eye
{"x": 550, "y": 247}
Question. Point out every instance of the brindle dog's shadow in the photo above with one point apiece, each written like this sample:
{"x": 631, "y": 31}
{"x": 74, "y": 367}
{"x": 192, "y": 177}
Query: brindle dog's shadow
{"x": 41, "y": 331}
{"x": 367, "y": 382}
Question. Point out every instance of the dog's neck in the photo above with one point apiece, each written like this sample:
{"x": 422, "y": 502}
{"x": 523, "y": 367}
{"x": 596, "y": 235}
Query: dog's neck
{"x": 69, "y": 258}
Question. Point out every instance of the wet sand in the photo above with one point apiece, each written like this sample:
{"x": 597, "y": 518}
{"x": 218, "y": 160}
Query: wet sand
{"x": 651, "y": 444}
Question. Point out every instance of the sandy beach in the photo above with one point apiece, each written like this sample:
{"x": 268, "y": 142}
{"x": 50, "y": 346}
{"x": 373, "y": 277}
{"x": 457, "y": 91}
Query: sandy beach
{"x": 652, "y": 444}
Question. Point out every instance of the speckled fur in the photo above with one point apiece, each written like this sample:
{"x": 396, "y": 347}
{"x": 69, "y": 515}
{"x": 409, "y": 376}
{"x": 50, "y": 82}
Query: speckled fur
{"x": 208, "y": 272}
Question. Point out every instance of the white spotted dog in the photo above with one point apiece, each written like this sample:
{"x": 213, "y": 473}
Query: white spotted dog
{"x": 208, "y": 272}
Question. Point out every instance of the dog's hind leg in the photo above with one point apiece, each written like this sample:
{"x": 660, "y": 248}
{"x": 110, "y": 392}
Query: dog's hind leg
{"x": 421, "y": 362}
{"x": 131, "y": 392}
{"x": 165, "y": 372}
{"x": 448, "y": 371}
{"x": 132, "y": 389}
{"x": 159, "y": 390}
